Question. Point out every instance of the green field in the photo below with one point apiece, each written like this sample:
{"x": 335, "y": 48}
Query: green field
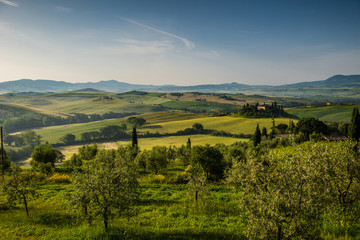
{"x": 340, "y": 113}
{"x": 53, "y": 133}
{"x": 234, "y": 125}
{"x": 160, "y": 117}
{"x": 89, "y": 102}
{"x": 201, "y": 106}
{"x": 11, "y": 110}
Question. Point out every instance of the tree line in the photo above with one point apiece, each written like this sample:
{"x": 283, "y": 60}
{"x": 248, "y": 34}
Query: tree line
{"x": 263, "y": 111}
{"x": 23, "y": 123}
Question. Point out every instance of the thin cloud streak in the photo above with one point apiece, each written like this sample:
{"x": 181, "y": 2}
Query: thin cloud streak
{"x": 63, "y": 9}
{"x": 136, "y": 47}
{"x": 188, "y": 44}
{"x": 7, "y": 2}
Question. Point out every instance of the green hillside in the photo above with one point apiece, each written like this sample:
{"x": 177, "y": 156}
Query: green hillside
{"x": 341, "y": 113}
{"x": 234, "y": 125}
{"x": 229, "y": 124}
{"x": 8, "y": 110}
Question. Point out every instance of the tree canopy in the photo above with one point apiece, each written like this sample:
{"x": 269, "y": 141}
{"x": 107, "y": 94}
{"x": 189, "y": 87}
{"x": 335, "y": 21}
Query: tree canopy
{"x": 106, "y": 185}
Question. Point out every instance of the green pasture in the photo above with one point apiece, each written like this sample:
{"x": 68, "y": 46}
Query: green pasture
{"x": 143, "y": 97}
{"x": 99, "y": 106}
{"x": 201, "y": 106}
{"x": 340, "y": 113}
{"x": 10, "y": 110}
{"x": 234, "y": 125}
{"x": 53, "y": 133}
{"x": 160, "y": 117}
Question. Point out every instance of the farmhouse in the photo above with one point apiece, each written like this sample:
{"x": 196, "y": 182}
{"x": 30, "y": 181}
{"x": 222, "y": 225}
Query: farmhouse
{"x": 263, "y": 107}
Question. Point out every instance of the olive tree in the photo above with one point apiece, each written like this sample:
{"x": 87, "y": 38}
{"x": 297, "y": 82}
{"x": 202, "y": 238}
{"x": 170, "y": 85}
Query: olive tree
{"x": 107, "y": 185}
{"x": 286, "y": 193}
{"x": 210, "y": 159}
{"x": 197, "y": 180}
{"x": 279, "y": 195}
{"x": 20, "y": 187}
{"x": 156, "y": 159}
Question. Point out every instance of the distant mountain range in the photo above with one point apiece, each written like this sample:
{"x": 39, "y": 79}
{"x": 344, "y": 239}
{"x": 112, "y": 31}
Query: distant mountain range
{"x": 28, "y": 85}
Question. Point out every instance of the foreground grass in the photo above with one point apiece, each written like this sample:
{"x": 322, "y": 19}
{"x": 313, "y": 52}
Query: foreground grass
{"x": 162, "y": 212}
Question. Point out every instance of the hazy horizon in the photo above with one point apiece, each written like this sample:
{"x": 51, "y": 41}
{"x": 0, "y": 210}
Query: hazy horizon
{"x": 179, "y": 42}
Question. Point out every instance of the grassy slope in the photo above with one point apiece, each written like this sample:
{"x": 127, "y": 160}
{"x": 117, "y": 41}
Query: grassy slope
{"x": 328, "y": 113}
{"x": 199, "y": 106}
{"x": 159, "y": 117}
{"x": 229, "y": 124}
{"x": 10, "y": 110}
{"x": 52, "y": 134}
{"x": 61, "y": 104}
{"x": 92, "y": 105}
{"x": 162, "y": 212}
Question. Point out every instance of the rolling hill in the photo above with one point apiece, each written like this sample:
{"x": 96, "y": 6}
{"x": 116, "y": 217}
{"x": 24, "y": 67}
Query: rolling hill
{"x": 339, "y": 87}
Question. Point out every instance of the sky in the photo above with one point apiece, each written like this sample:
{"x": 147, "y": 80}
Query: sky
{"x": 181, "y": 42}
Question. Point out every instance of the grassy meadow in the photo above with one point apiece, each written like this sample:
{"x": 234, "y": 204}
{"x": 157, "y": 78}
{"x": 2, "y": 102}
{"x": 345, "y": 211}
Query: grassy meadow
{"x": 339, "y": 113}
{"x": 164, "y": 124}
{"x": 162, "y": 212}
{"x": 234, "y": 125}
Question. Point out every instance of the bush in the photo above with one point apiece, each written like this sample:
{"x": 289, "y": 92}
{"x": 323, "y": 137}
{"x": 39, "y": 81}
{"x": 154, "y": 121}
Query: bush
{"x": 159, "y": 178}
{"x": 59, "y": 178}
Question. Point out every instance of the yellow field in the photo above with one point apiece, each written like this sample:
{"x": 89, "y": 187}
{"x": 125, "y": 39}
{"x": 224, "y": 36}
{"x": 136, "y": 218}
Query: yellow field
{"x": 234, "y": 125}
{"x": 148, "y": 143}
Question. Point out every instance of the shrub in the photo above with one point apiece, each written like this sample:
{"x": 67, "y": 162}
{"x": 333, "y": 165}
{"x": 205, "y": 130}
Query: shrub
{"x": 159, "y": 178}
{"x": 59, "y": 178}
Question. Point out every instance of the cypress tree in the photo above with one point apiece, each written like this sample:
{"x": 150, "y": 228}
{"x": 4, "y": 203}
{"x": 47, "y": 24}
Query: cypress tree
{"x": 354, "y": 127}
{"x": 257, "y": 136}
{"x": 272, "y": 133}
{"x": 264, "y": 132}
{"x": 134, "y": 138}
{"x": 188, "y": 144}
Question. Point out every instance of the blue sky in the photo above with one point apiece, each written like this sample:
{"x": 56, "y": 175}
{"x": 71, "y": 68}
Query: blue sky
{"x": 183, "y": 42}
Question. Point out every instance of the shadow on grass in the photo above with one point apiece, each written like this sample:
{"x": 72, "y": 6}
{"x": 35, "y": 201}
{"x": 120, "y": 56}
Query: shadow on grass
{"x": 153, "y": 126}
{"x": 157, "y": 202}
{"x": 121, "y": 233}
{"x": 54, "y": 219}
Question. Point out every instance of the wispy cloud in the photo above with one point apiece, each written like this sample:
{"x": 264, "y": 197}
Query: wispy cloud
{"x": 188, "y": 44}
{"x": 62, "y": 9}
{"x": 133, "y": 46}
{"x": 10, "y": 3}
